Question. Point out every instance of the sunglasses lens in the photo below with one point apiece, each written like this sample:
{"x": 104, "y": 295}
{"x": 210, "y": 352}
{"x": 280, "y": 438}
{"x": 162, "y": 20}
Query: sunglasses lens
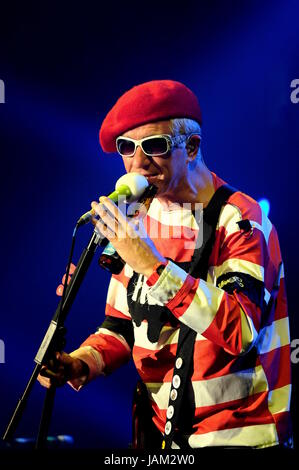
{"x": 155, "y": 146}
{"x": 125, "y": 147}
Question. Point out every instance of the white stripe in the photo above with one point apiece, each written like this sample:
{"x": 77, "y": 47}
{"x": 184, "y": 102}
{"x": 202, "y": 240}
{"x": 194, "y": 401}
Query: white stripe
{"x": 249, "y": 333}
{"x": 262, "y": 435}
{"x": 128, "y": 271}
{"x": 238, "y": 265}
{"x": 273, "y": 336}
{"x": 217, "y": 390}
{"x": 203, "y": 308}
{"x": 265, "y": 227}
{"x": 267, "y": 295}
{"x": 169, "y": 283}
{"x": 229, "y": 387}
{"x": 174, "y": 445}
{"x": 159, "y": 393}
{"x": 282, "y": 272}
{"x": 137, "y": 288}
{"x": 280, "y": 399}
{"x": 117, "y": 297}
{"x": 141, "y": 292}
{"x": 95, "y": 362}
{"x": 229, "y": 216}
{"x": 168, "y": 335}
{"x": 174, "y": 216}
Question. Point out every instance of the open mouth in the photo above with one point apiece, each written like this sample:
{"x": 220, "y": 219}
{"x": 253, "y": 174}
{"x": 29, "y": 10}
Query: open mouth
{"x": 150, "y": 177}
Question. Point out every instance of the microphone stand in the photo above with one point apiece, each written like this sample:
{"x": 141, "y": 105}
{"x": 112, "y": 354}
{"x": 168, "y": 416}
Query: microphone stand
{"x": 54, "y": 340}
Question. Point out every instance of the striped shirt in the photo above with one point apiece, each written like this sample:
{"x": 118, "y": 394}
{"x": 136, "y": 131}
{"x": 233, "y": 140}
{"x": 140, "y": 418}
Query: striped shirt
{"x": 241, "y": 383}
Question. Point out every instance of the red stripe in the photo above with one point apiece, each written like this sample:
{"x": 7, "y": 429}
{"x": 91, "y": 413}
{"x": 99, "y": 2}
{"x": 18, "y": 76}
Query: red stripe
{"x": 276, "y": 365}
{"x": 220, "y": 235}
{"x": 217, "y": 181}
{"x": 175, "y": 242}
{"x": 250, "y": 308}
{"x": 250, "y": 209}
{"x": 225, "y": 329}
{"x": 237, "y": 245}
{"x": 281, "y": 310}
{"x": 159, "y": 417}
{"x": 155, "y": 366}
{"x": 249, "y": 411}
{"x": 184, "y": 297}
{"x": 274, "y": 248}
{"x": 114, "y": 353}
{"x": 283, "y": 426}
{"x": 214, "y": 362}
{"x": 121, "y": 277}
{"x": 252, "y": 410}
{"x": 115, "y": 313}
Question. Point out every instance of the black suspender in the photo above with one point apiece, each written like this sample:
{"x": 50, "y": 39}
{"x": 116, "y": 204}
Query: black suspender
{"x": 184, "y": 356}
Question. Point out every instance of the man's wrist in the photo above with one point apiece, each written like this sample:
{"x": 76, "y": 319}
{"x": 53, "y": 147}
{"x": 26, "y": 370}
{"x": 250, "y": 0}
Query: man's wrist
{"x": 156, "y": 272}
{"x": 84, "y": 369}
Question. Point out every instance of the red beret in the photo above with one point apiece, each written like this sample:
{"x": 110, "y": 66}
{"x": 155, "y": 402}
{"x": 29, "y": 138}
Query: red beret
{"x": 149, "y": 102}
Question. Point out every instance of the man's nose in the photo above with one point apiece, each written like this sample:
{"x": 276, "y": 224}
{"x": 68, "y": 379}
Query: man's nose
{"x": 140, "y": 160}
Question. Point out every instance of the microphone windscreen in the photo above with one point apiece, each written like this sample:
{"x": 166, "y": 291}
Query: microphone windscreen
{"x": 137, "y": 184}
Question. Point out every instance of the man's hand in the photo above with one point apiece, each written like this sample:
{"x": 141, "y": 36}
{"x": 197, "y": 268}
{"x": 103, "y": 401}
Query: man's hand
{"x": 127, "y": 235}
{"x": 61, "y": 369}
{"x": 59, "y": 289}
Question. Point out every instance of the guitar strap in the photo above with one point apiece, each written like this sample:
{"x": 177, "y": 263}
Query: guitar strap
{"x": 184, "y": 355}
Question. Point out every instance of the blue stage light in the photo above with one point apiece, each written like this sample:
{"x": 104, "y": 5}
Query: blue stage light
{"x": 265, "y": 205}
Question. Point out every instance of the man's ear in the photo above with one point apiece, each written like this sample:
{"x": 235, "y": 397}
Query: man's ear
{"x": 192, "y": 147}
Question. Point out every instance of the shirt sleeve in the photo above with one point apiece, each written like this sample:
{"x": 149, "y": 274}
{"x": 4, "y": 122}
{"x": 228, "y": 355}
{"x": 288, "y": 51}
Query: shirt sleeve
{"x": 110, "y": 346}
{"x": 227, "y": 308}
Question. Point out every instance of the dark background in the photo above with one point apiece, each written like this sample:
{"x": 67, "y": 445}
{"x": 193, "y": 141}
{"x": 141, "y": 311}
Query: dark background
{"x": 64, "y": 66}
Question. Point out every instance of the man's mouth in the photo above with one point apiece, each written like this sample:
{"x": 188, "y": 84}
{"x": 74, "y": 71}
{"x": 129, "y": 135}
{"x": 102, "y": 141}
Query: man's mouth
{"x": 150, "y": 177}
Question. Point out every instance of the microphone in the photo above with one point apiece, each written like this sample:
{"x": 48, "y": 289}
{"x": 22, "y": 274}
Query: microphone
{"x": 128, "y": 187}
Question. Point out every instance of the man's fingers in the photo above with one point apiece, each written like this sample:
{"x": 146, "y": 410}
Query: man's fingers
{"x": 109, "y": 218}
{"x": 57, "y": 371}
{"x": 110, "y": 207}
{"x": 64, "y": 358}
{"x": 48, "y": 373}
{"x": 59, "y": 290}
{"x": 44, "y": 381}
{"x": 102, "y": 228}
{"x": 55, "y": 378}
{"x": 113, "y": 208}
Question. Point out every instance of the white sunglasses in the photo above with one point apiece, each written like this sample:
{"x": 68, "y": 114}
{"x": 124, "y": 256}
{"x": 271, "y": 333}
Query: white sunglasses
{"x": 152, "y": 146}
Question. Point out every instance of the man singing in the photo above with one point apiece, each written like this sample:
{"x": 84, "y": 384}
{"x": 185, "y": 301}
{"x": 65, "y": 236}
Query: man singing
{"x": 236, "y": 385}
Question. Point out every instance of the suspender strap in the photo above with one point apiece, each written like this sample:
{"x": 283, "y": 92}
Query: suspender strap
{"x": 184, "y": 355}
{"x": 200, "y": 260}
